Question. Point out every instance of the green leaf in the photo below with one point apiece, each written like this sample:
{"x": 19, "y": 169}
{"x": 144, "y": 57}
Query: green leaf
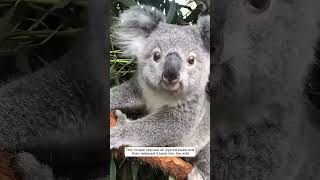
{"x": 60, "y": 5}
{"x": 113, "y": 170}
{"x": 134, "y": 170}
{"x": 5, "y": 25}
{"x": 44, "y": 1}
{"x": 172, "y": 11}
{"x": 128, "y": 3}
{"x": 171, "y": 178}
{"x": 193, "y": 16}
{"x": 152, "y": 177}
{"x": 63, "y": 4}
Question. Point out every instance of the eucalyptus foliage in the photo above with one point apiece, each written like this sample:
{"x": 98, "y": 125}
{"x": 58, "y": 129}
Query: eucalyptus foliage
{"x": 36, "y": 32}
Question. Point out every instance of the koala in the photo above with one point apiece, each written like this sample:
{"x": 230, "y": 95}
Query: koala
{"x": 27, "y": 167}
{"x": 264, "y": 126}
{"x": 170, "y": 85}
{"x": 312, "y": 85}
{"x": 54, "y": 119}
{"x": 23, "y": 166}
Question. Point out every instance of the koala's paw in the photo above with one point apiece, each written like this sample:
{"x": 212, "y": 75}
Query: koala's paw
{"x": 121, "y": 118}
{"x": 116, "y": 139}
{"x": 26, "y": 167}
{"x": 195, "y": 174}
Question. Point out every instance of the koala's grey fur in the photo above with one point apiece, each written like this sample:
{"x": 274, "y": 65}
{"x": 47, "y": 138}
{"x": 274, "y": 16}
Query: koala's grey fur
{"x": 58, "y": 113}
{"x": 26, "y": 167}
{"x": 263, "y": 126}
{"x": 174, "y": 118}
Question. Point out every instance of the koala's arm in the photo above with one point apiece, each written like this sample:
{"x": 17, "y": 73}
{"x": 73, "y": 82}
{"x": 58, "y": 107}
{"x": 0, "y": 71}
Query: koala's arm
{"x": 27, "y": 167}
{"x": 126, "y": 95}
{"x": 166, "y": 126}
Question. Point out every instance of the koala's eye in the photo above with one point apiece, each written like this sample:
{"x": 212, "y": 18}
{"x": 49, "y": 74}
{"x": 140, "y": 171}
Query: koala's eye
{"x": 156, "y": 55}
{"x": 258, "y": 6}
{"x": 191, "y": 60}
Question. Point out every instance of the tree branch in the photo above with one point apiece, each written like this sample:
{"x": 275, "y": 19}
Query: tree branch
{"x": 5, "y": 166}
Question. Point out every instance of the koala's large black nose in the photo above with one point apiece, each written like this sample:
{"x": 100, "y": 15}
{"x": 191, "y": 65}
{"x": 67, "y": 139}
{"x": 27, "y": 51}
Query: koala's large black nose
{"x": 171, "y": 69}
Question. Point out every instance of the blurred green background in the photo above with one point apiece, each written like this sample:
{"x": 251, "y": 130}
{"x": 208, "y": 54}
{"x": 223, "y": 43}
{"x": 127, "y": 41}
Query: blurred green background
{"x": 181, "y": 12}
{"x": 34, "y": 33}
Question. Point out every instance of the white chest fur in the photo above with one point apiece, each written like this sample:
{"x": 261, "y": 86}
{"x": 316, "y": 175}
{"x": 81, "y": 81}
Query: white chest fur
{"x": 155, "y": 100}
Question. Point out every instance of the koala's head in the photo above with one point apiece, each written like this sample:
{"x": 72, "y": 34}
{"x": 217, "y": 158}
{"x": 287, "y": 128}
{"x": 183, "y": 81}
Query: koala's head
{"x": 267, "y": 44}
{"x": 171, "y": 58}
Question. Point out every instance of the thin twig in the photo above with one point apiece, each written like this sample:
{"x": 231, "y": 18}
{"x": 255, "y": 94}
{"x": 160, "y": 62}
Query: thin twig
{"x": 47, "y": 2}
{"x": 42, "y": 33}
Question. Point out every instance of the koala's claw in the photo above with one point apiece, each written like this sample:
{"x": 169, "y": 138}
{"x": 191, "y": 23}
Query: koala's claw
{"x": 195, "y": 174}
{"x": 121, "y": 118}
{"x": 27, "y": 167}
{"x": 116, "y": 134}
{"x": 115, "y": 138}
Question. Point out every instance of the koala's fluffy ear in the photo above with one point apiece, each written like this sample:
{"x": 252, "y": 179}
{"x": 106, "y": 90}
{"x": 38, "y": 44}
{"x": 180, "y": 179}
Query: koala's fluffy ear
{"x": 204, "y": 30}
{"x": 136, "y": 24}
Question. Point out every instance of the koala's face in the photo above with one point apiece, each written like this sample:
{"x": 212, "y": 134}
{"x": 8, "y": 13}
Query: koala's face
{"x": 174, "y": 59}
{"x": 267, "y": 43}
{"x": 171, "y": 58}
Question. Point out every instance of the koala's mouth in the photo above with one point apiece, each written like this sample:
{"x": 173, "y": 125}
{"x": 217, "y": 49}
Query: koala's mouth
{"x": 171, "y": 86}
